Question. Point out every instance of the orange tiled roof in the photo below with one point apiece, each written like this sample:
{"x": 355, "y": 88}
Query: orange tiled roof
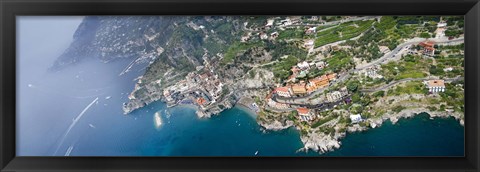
{"x": 302, "y": 110}
{"x": 201, "y": 101}
{"x": 436, "y": 83}
{"x": 299, "y": 88}
{"x": 282, "y": 89}
{"x": 430, "y": 48}
{"x": 320, "y": 81}
{"x": 323, "y": 83}
{"x": 331, "y": 76}
{"x": 427, "y": 44}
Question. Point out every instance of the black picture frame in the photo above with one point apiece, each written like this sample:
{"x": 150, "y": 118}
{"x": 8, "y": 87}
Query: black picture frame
{"x": 11, "y": 8}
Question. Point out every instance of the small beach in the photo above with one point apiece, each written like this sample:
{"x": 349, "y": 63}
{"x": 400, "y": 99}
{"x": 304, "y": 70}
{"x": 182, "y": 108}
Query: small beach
{"x": 247, "y": 110}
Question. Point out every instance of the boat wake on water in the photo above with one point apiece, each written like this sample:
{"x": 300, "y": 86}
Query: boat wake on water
{"x": 157, "y": 119}
{"x": 75, "y": 120}
{"x": 69, "y": 150}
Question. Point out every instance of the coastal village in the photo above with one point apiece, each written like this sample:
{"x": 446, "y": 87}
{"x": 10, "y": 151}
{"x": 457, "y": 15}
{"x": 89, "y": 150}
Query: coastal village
{"x": 355, "y": 73}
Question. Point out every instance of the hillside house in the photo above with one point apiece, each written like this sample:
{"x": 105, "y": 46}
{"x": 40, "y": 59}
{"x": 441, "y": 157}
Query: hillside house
{"x": 435, "y": 86}
{"x": 305, "y": 114}
{"x": 283, "y": 91}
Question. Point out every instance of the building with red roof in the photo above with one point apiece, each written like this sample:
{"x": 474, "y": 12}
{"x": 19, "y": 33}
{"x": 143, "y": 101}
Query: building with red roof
{"x": 283, "y": 91}
{"x": 428, "y": 47}
{"x": 304, "y": 114}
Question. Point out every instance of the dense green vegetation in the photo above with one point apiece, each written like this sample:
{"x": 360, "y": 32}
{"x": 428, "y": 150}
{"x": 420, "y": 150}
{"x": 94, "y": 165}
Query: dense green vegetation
{"x": 238, "y": 47}
{"x": 454, "y": 96}
{"x": 352, "y": 85}
{"x": 413, "y": 87}
{"x": 367, "y": 46}
{"x": 411, "y": 67}
{"x": 386, "y": 23}
{"x": 339, "y": 61}
{"x": 281, "y": 70}
{"x": 256, "y": 21}
{"x": 425, "y": 35}
{"x": 323, "y": 120}
{"x": 415, "y": 19}
{"x": 291, "y": 34}
{"x": 344, "y": 31}
{"x": 379, "y": 94}
{"x": 282, "y": 48}
{"x": 398, "y": 108}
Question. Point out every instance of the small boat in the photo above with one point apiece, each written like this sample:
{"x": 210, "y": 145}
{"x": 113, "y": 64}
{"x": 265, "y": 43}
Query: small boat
{"x": 108, "y": 97}
{"x": 91, "y": 125}
{"x": 256, "y": 153}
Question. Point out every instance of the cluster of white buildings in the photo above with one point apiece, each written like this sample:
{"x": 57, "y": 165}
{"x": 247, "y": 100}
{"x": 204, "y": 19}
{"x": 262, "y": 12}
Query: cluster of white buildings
{"x": 337, "y": 95}
{"x": 356, "y": 118}
{"x": 179, "y": 88}
{"x": 277, "y": 105}
{"x": 372, "y": 72}
{"x": 309, "y": 43}
{"x": 311, "y": 30}
{"x": 303, "y": 65}
{"x": 441, "y": 27}
{"x": 206, "y": 88}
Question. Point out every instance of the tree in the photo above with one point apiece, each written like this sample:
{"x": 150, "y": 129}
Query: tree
{"x": 356, "y": 98}
{"x": 352, "y": 86}
{"x": 425, "y": 35}
{"x": 409, "y": 58}
{"x": 379, "y": 94}
{"x": 356, "y": 109}
{"x": 434, "y": 70}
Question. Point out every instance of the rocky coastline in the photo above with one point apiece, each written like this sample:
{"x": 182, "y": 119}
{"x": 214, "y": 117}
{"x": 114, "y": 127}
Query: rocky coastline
{"x": 322, "y": 143}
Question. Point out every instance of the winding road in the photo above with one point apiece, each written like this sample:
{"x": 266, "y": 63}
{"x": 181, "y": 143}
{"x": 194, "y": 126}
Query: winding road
{"x": 394, "y": 52}
{"x": 345, "y": 75}
{"x": 383, "y": 87}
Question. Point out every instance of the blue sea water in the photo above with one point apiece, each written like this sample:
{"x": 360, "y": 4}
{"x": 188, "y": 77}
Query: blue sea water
{"x": 48, "y": 104}
{"x": 417, "y": 136}
{"x": 235, "y": 133}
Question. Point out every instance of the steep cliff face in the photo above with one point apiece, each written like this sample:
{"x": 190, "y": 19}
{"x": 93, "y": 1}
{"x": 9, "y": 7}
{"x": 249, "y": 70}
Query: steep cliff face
{"x": 192, "y": 42}
{"x": 112, "y": 37}
{"x": 81, "y": 45}
{"x": 179, "y": 38}
{"x": 174, "y": 46}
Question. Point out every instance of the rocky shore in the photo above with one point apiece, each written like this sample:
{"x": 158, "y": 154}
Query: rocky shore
{"x": 215, "y": 109}
{"x": 408, "y": 113}
{"x": 322, "y": 143}
{"x": 276, "y": 125}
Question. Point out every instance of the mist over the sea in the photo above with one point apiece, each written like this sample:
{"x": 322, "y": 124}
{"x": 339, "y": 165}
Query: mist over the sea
{"x": 55, "y": 109}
